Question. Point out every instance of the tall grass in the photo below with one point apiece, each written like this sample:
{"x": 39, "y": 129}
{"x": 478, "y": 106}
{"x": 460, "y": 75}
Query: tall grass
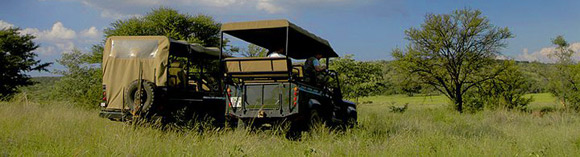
{"x": 427, "y": 128}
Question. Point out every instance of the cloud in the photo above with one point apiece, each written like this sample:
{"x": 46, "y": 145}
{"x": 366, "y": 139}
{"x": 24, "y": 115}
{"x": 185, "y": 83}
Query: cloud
{"x": 115, "y": 9}
{"x": 543, "y": 55}
{"x": 56, "y": 33}
{"x": 60, "y": 39}
{"x": 269, "y": 7}
{"x": 216, "y": 3}
{"x": 91, "y": 33}
{"x": 4, "y": 24}
{"x": 116, "y": 15}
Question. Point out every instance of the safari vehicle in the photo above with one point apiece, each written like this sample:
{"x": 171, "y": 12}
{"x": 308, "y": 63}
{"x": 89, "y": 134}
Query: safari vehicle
{"x": 145, "y": 76}
{"x": 263, "y": 90}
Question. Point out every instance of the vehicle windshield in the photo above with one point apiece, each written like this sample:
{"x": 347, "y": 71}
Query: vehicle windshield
{"x": 133, "y": 48}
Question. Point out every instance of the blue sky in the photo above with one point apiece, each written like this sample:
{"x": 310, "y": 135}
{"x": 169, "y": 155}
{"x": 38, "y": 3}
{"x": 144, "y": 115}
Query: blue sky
{"x": 369, "y": 29}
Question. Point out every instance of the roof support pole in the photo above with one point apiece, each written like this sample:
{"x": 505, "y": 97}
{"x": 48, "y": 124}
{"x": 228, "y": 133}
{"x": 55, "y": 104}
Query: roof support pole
{"x": 286, "y": 50}
{"x": 221, "y": 76}
{"x": 289, "y": 64}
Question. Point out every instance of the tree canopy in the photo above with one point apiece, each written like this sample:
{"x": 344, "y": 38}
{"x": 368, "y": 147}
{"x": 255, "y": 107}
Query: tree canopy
{"x": 17, "y": 58}
{"x": 358, "y": 78}
{"x": 564, "y": 76}
{"x": 200, "y": 29}
{"x": 453, "y": 52}
{"x": 254, "y": 51}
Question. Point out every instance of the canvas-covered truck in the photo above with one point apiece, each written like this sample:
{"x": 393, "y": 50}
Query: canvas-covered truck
{"x": 145, "y": 76}
{"x": 262, "y": 90}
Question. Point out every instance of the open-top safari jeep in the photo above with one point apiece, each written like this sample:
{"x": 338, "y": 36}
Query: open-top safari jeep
{"x": 263, "y": 90}
{"x": 145, "y": 76}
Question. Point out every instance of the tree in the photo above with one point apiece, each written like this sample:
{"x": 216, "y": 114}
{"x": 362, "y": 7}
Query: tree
{"x": 506, "y": 91}
{"x": 358, "y": 78}
{"x": 81, "y": 81}
{"x": 200, "y": 29}
{"x": 564, "y": 77}
{"x": 17, "y": 58}
{"x": 254, "y": 51}
{"x": 453, "y": 52}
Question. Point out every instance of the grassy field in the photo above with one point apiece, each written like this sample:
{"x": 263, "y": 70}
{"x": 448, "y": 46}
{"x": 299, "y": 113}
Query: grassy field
{"x": 427, "y": 128}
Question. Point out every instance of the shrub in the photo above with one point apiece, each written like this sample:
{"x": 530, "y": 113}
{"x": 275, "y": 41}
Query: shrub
{"x": 81, "y": 81}
{"x": 564, "y": 77}
{"x": 506, "y": 91}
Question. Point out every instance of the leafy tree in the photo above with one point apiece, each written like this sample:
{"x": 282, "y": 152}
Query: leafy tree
{"x": 453, "y": 52}
{"x": 564, "y": 77}
{"x": 254, "y": 51}
{"x": 506, "y": 91}
{"x": 535, "y": 72}
{"x": 200, "y": 29}
{"x": 358, "y": 78}
{"x": 81, "y": 81}
{"x": 16, "y": 58}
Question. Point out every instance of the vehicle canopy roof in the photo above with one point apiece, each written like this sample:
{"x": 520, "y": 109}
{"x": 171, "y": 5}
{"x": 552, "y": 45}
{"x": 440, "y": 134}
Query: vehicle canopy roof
{"x": 181, "y": 48}
{"x": 161, "y": 44}
{"x": 271, "y": 34}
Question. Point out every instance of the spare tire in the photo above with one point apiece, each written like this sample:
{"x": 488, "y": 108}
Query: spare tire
{"x": 147, "y": 97}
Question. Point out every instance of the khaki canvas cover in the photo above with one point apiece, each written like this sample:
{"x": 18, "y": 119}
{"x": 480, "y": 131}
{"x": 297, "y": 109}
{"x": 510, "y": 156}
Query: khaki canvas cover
{"x": 271, "y": 34}
{"x": 126, "y": 57}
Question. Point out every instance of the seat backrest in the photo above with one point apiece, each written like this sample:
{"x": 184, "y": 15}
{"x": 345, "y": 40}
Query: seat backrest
{"x": 176, "y": 74}
{"x": 298, "y": 70}
{"x": 257, "y": 67}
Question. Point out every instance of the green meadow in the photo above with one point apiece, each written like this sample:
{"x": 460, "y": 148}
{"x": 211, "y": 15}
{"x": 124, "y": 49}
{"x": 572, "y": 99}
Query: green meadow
{"x": 427, "y": 128}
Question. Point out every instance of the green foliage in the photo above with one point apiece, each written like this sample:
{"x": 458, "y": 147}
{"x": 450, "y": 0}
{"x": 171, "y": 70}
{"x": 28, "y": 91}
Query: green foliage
{"x": 16, "y": 58}
{"x": 81, "y": 81}
{"x": 534, "y": 72}
{"x": 200, "y": 29}
{"x": 506, "y": 91}
{"x": 42, "y": 90}
{"x": 453, "y": 52}
{"x": 358, "y": 78}
{"x": 254, "y": 51}
{"x": 564, "y": 77}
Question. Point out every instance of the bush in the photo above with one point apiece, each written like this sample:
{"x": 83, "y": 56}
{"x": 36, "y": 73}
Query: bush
{"x": 359, "y": 79}
{"x": 81, "y": 81}
{"x": 564, "y": 76}
{"x": 506, "y": 91}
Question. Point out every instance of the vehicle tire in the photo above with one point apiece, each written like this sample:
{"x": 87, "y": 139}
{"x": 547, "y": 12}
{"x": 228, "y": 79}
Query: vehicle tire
{"x": 231, "y": 123}
{"x": 351, "y": 120}
{"x": 148, "y": 96}
{"x": 314, "y": 119}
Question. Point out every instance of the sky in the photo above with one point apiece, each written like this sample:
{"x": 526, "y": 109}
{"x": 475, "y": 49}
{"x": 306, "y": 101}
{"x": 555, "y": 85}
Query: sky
{"x": 369, "y": 29}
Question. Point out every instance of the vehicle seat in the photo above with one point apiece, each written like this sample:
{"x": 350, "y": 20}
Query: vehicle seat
{"x": 258, "y": 67}
{"x": 298, "y": 71}
{"x": 176, "y": 75}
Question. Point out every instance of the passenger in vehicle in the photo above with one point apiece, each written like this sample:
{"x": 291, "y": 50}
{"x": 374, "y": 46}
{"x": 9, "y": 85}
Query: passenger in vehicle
{"x": 278, "y": 53}
{"x": 313, "y": 70}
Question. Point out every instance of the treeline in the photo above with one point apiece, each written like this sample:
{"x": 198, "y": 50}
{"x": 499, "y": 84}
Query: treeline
{"x": 393, "y": 82}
